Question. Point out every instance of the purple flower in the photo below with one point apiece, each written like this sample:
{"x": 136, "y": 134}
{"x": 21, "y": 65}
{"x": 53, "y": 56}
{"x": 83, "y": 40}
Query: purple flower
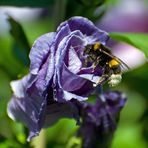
{"x": 100, "y": 120}
{"x": 57, "y": 78}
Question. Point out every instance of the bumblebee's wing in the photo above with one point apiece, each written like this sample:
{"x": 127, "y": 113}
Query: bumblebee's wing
{"x": 122, "y": 63}
{"x": 114, "y": 57}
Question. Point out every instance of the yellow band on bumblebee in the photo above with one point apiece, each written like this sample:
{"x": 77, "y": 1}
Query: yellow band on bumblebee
{"x": 113, "y": 63}
{"x": 96, "y": 46}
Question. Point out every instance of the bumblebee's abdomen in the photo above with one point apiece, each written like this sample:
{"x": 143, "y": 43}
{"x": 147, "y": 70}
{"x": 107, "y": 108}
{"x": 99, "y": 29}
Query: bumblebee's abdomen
{"x": 113, "y": 63}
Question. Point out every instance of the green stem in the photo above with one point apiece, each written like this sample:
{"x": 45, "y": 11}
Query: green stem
{"x": 40, "y": 141}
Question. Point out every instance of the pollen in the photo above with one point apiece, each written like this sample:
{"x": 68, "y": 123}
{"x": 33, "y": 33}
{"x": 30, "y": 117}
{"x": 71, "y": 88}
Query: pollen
{"x": 114, "y": 80}
{"x": 96, "y": 46}
{"x": 113, "y": 63}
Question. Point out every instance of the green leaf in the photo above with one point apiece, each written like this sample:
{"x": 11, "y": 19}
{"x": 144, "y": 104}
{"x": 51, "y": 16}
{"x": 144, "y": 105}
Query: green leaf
{"x": 91, "y": 12}
{"x": 8, "y": 62}
{"x": 24, "y": 3}
{"x": 138, "y": 40}
{"x": 137, "y": 80}
{"x": 21, "y": 47}
{"x": 92, "y": 2}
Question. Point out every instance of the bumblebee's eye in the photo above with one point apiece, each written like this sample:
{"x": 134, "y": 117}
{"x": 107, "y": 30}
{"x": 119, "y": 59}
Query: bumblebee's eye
{"x": 97, "y": 46}
{"x": 113, "y": 63}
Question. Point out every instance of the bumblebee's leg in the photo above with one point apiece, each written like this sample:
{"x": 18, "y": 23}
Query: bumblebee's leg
{"x": 96, "y": 62}
{"x": 87, "y": 60}
{"x": 102, "y": 80}
{"x": 94, "y": 66}
{"x": 105, "y": 76}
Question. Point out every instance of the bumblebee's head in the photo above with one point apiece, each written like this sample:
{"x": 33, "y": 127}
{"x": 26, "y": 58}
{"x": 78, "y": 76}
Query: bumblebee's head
{"x": 113, "y": 63}
{"x": 96, "y": 46}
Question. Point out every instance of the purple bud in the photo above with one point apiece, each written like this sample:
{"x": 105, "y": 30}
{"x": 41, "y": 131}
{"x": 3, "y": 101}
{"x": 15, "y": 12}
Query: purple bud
{"x": 100, "y": 119}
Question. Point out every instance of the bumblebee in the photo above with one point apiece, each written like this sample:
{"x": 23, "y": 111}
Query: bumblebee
{"x": 101, "y": 56}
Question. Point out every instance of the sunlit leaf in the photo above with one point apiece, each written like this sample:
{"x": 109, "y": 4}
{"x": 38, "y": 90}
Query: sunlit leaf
{"x": 129, "y": 136}
{"x": 74, "y": 142}
{"x": 8, "y": 63}
{"x": 139, "y": 40}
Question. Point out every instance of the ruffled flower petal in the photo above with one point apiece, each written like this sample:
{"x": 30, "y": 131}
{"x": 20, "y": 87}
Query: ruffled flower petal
{"x": 57, "y": 76}
{"x": 40, "y": 51}
{"x": 92, "y": 33}
{"x": 26, "y": 109}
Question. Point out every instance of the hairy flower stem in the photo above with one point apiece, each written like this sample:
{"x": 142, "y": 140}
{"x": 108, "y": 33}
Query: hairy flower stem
{"x": 40, "y": 141}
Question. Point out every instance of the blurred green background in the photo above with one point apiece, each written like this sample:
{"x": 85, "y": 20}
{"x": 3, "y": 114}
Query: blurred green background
{"x": 21, "y": 22}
